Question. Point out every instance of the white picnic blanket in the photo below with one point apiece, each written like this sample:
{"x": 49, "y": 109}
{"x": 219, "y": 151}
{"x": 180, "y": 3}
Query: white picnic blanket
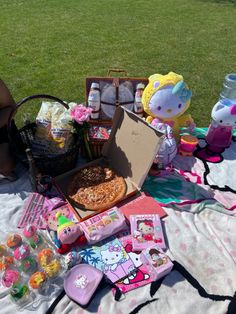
{"x": 200, "y": 236}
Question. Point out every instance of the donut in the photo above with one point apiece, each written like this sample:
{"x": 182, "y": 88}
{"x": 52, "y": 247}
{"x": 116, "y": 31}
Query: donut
{"x": 28, "y": 265}
{"x": 3, "y": 250}
{"x": 29, "y": 231}
{"x": 6, "y": 262}
{"x": 10, "y": 277}
{"x": 21, "y": 252}
{"x": 37, "y": 280}
{"x": 45, "y": 257}
{"x": 19, "y": 292}
{"x": 14, "y": 240}
{"x": 35, "y": 241}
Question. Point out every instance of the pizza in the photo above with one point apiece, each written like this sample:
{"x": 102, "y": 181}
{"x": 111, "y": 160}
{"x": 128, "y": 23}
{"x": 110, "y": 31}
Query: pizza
{"x": 96, "y": 188}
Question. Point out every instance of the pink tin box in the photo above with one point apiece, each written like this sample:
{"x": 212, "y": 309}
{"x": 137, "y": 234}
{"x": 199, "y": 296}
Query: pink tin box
{"x": 156, "y": 261}
{"x": 146, "y": 231}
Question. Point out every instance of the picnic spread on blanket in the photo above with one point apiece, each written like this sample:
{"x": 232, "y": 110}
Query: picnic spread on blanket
{"x": 121, "y": 204}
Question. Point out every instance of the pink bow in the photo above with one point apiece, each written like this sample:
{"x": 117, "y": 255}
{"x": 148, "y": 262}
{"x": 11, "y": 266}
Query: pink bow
{"x": 113, "y": 248}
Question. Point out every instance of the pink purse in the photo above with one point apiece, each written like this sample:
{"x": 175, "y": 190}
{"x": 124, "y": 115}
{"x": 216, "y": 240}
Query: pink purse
{"x": 82, "y": 281}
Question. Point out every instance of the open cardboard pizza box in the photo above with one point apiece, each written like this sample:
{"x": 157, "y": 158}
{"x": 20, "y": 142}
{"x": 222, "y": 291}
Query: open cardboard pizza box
{"x": 130, "y": 151}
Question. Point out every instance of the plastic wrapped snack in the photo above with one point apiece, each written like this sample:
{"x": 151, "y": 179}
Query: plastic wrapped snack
{"x": 61, "y": 129}
{"x": 43, "y": 121}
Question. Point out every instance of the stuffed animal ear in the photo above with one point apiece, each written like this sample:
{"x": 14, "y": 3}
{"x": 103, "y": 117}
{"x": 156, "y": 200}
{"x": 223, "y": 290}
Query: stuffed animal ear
{"x": 181, "y": 90}
{"x": 178, "y": 88}
{"x": 233, "y": 109}
{"x": 219, "y": 107}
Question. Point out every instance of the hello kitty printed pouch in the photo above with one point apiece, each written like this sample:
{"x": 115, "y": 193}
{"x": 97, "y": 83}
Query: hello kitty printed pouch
{"x": 146, "y": 231}
{"x": 103, "y": 225}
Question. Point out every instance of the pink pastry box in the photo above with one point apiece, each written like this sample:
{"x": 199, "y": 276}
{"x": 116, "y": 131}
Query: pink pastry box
{"x": 156, "y": 261}
{"x": 146, "y": 231}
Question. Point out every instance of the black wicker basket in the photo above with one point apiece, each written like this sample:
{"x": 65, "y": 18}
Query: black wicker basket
{"x": 22, "y": 139}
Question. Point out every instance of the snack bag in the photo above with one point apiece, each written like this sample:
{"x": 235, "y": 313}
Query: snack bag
{"x": 61, "y": 129}
{"x": 43, "y": 121}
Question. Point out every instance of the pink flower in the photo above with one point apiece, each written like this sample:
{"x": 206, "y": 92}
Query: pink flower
{"x": 80, "y": 114}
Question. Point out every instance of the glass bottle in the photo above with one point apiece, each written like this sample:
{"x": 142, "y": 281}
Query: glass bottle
{"x": 94, "y": 101}
{"x": 138, "y": 106}
{"x": 34, "y": 174}
{"x": 229, "y": 87}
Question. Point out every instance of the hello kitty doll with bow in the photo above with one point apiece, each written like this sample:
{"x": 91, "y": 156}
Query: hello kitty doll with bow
{"x": 166, "y": 98}
{"x": 146, "y": 230}
{"x": 219, "y": 133}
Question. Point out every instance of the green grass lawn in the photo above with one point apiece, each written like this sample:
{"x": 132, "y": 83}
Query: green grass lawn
{"x": 51, "y": 46}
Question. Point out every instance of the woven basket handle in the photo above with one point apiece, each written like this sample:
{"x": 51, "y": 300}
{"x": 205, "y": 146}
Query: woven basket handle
{"x": 117, "y": 71}
{"x": 24, "y": 100}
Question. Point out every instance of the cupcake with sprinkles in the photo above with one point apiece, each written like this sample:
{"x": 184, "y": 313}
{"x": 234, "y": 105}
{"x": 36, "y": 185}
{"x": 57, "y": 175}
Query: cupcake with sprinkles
{"x": 21, "y": 252}
{"x": 35, "y": 241}
{"x": 3, "y": 250}
{"x": 19, "y": 293}
{"x": 37, "y": 280}
{"x": 28, "y": 265}
{"x": 14, "y": 240}
{"x": 6, "y": 262}
{"x": 30, "y": 231}
{"x": 10, "y": 277}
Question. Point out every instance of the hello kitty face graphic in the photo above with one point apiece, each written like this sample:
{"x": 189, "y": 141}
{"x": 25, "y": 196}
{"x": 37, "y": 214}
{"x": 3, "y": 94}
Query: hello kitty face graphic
{"x": 164, "y": 104}
{"x": 113, "y": 255}
{"x": 145, "y": 226}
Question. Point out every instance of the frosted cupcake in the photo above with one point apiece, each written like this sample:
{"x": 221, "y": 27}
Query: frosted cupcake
{"x": 21, "y": 252}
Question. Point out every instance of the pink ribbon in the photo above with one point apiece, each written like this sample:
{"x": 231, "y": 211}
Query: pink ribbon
{"x": 113, "y": 248}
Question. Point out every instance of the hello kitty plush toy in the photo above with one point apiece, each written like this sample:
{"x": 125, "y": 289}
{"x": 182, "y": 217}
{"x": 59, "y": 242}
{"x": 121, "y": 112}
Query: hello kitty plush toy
{"x": 219, "y": 133}
{"x": 166, "y": 98}
{"x": 168, "y": 148}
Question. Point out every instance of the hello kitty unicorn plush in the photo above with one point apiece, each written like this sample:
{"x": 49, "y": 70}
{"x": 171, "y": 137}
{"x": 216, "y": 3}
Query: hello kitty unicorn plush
{"x": 219, "y": 135}
{"x": 223, "y": 122}
{"x": 166, "y": 98}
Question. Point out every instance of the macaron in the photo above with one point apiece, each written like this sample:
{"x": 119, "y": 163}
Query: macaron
{"x": 21, "y": 252}
{"x": 37, "y": 280}
{"x": 29, "y": 231}
{"x": 14, "y": 240}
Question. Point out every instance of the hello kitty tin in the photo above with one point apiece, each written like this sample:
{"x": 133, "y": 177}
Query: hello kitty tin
{"x": 146, "y": 231}
{"x": 157, "y": 262}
